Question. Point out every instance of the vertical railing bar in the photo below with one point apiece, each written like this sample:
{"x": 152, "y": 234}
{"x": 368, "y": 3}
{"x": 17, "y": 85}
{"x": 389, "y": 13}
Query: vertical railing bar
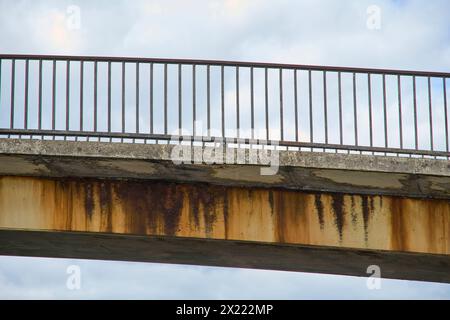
{"x": 252, "y": 103}
{"x": 165, "y": 101}
{"x": 355, "y": 110}
{"x": 430, "y": 108}
{"x": 416, "y": 138}
{"x": 194, "y": 100}
{"x": 222, "y": 97}
{"x": 281, "y": 105}
{"x": 123, "y": 98}
{"x": 151, "y": 97}
{"x": 296, "y": 104}
{"x": 109, "y": 98}
{"x": 137, "y": 99}
{"x": 266, "y": 93}
{"x": 400, "y": 115}
{"x": 53, "y": 96}
{"x": 13, "y": 80}
{"x": 341, "y": 131}
{"x": 81, "y": 94}
{"x": 237, "y": 102}
{"x": 180, "y": 107}
{"x": 25, "y": 105}
{"x": 95, "y": 96}
{"x": 208, "y": 98}
{"x": 311, "y": 128}
{"x": 40, "y": 97}
{"x": 67, "y": 95}
{"x": 1, "y": 62}
{"x": 386, "y": 141}
{"x": 369, "y": 94}
{"x": 446, "y": 115}
{"x": 325, "y": 105}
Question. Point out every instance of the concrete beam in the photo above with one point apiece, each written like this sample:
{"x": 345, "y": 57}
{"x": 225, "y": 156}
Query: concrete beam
{"x": 225, "y": 226}
{"x": 322, "y": 212}
{"x": 324, "y": 172}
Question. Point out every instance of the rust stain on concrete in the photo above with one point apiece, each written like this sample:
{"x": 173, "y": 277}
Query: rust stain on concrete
{"x": 366, "y": 210}
{"x": 319, "y": 208}
{"x": 89, "y": 199}
{"x": 217, "y": 212}
{"x": 339, "y": 213}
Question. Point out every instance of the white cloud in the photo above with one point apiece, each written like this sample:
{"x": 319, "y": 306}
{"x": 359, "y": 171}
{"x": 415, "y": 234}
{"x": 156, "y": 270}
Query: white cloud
{"x": 413, "y": 34}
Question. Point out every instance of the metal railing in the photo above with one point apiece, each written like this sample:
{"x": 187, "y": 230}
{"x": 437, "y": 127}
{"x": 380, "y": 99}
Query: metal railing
{"x": 312, "y": 108}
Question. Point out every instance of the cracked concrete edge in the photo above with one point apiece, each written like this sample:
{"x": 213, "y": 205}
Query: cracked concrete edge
{"x": 162, "y": 152}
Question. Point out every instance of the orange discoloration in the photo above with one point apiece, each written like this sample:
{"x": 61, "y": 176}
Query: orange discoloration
{"x": 205, "y": 211}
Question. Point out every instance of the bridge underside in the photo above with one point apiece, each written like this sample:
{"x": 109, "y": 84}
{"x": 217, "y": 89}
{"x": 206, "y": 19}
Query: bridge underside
{"x": 215, "y": 225}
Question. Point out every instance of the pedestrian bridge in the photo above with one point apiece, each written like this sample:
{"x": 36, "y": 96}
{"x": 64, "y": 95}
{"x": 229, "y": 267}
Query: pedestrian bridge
{"x": 236, "y": 164}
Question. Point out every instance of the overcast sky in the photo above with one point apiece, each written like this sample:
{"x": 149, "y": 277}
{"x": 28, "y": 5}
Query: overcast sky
{"x": 412, "y": 35}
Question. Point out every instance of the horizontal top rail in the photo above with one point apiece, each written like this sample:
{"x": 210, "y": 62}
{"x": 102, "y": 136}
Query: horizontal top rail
{"x": 227, "y": 63}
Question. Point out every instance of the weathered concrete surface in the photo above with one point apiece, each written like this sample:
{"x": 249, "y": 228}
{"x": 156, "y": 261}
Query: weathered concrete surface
{"x": 231, "y": 253}
{"x": 229, "y": 213}
{"x": 327, "y": 172}
{"x": 331, "y": 213}
{"x": 411, "y": 228}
